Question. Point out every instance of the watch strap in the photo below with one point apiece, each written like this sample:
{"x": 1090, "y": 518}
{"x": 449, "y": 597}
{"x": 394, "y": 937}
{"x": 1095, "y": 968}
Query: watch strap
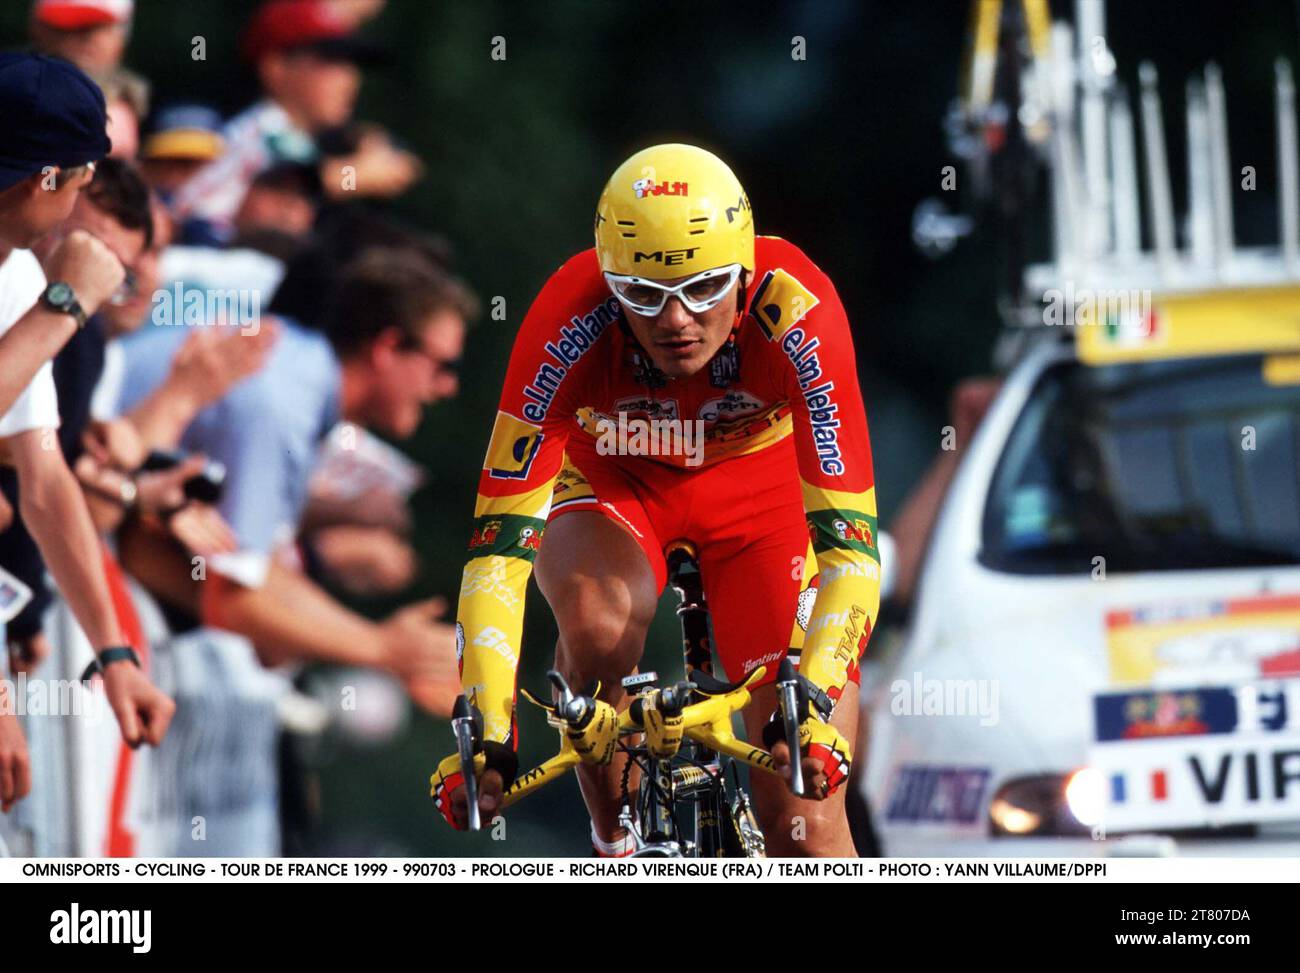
{"x": 105, "y": 658}
{"x": 70, "y": 306}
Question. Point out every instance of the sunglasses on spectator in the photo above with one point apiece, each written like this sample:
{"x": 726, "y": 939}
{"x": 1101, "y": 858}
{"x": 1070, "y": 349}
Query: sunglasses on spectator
{"x": 410, "y": 346}
{"x": 126, "y": 290}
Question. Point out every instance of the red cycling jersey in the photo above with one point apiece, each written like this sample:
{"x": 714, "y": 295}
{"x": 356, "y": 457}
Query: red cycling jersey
{"x": 762, "y": 454}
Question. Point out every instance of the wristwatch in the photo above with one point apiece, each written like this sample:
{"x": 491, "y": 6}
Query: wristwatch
{"x": 106, "y": 657}
{"x": 59, "y": 296}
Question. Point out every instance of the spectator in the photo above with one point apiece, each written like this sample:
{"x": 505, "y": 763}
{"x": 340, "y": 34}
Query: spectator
{"x": 307, "y": 57}
{"x": 407, "y": 322}
{"x": 341, "y": 234}
{"x": 398, "y": 323}
{"x": 54, "y": 120}
{"x": 279, "y": 210}
{"x": 182, "y": 139}
{"x": 92, "y": 34}
{"x": 126, "y": 95}
{"x": 54, "y": 123}
{"x": 115, "y": 209}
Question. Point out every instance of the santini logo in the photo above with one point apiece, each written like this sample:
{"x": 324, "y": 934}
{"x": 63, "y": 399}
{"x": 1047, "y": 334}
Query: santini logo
{"x": 133, "y": 927}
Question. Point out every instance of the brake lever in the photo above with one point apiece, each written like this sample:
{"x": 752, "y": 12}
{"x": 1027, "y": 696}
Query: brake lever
{"x": 673, "y": 699}
{"x": 462, "y": 725}
{"x": 569, "y": 708}
{"x": 787, "y": 686}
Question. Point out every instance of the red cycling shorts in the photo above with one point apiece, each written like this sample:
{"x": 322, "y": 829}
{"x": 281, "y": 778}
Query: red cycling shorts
{"x": 745, "y": 516}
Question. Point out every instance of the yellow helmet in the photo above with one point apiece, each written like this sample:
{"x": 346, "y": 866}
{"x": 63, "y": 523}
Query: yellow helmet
{"x": 673, "y": 210}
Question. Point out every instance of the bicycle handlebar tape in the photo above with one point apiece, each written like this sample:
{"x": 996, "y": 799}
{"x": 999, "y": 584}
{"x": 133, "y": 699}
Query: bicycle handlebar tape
{"x": 663, "y": 728}
{"x": 596, "y": 737}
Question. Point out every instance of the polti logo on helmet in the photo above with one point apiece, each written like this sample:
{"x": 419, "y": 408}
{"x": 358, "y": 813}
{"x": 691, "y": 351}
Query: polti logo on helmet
{"x": 648, "y": 187}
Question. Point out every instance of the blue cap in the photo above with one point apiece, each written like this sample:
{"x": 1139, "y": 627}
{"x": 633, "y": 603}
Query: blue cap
{"x": 51, "y": 115}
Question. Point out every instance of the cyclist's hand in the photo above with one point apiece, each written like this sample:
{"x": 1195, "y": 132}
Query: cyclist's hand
{"x": 594, "y": 735}
{"x": 143, "y": 711}
{"x": 596, "y": 740}
{"x": 825, "y": 758}
{"x": 447, "y": 786}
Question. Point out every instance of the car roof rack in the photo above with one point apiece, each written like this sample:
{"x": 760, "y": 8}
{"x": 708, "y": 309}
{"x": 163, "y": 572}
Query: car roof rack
{"x": 1062, "y": 100}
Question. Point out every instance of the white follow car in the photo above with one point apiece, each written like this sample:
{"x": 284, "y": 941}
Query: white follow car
{"x": 1104, "y": 654}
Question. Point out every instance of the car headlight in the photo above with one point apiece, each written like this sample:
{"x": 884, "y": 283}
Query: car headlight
{"x": 1043, "y": 805}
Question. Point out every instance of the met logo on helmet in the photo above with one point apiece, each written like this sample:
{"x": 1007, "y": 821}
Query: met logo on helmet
{"x": 669, "y": 258}
{"x": 648, "y": 187}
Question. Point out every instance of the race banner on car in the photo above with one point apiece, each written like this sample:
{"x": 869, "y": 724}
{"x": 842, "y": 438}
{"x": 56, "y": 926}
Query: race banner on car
{"x": 1205, "y": 642}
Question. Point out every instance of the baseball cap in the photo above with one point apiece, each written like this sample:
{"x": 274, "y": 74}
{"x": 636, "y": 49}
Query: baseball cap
{"x": 51, "y": 114}
{"x": 78, "y": 14}
{"x": 184, "y": 132}
{"x": 306, "y": 25}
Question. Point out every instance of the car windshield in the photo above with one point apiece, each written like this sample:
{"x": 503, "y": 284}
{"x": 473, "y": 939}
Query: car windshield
{"x": 1153, "y": 466}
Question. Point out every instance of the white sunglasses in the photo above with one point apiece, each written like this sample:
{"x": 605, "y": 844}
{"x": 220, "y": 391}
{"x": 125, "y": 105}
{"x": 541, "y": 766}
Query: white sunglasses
{"x": 698, "y": 293}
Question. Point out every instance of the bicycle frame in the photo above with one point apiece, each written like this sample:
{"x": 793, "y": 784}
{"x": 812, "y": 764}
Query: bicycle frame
{"x": 696, "y": 773}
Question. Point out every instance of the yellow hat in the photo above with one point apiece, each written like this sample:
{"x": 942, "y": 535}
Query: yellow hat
{"x": 673, "y": 210}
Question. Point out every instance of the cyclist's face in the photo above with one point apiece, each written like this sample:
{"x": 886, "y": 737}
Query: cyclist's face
{"x": 682, "y": 342}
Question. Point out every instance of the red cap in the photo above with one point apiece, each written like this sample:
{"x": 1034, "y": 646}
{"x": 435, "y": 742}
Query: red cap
{"x": 77, "y": 14}
{"x": 281, "y": 25}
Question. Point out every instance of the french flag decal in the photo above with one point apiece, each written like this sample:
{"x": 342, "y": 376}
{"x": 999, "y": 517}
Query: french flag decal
{"x": 1159, "y": 787}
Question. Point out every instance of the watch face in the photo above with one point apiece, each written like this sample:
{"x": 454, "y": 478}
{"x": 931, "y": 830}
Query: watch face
{"x": 58, "y": 293}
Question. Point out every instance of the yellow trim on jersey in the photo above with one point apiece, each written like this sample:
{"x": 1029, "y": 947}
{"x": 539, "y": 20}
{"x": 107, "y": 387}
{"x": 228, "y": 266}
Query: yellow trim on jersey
{"x": 534, "y": 503}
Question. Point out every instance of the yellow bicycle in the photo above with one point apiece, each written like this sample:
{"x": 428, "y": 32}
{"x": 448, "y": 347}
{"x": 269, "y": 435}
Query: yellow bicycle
{"x": 689, "y": 803}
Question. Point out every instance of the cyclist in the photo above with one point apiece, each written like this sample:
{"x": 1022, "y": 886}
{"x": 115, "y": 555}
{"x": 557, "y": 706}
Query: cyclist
{"x": 678, "y": 314}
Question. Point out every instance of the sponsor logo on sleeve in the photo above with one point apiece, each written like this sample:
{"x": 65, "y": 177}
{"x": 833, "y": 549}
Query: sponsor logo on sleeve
{"x": 849, "y": 530}
{"x": 512, "y": 448}
{"x": 780, "y": 302}
{"x": 822, "y": 418}
{"x": 508, "y": 535}
{"x": 574, "y": 340}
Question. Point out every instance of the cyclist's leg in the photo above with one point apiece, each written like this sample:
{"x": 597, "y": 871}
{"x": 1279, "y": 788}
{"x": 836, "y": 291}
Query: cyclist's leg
{"x": 752, "y": 581}
{"x": 601, "y": 569}
{"x": 752, "y": 605}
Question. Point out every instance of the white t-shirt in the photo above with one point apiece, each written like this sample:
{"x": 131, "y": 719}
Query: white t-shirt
{"x": 21, "y": 284}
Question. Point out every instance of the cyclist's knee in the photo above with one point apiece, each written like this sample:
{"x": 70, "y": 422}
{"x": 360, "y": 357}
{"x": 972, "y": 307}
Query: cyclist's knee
{"x": 807, "y": 830}
{"x": 603, "y": 626}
